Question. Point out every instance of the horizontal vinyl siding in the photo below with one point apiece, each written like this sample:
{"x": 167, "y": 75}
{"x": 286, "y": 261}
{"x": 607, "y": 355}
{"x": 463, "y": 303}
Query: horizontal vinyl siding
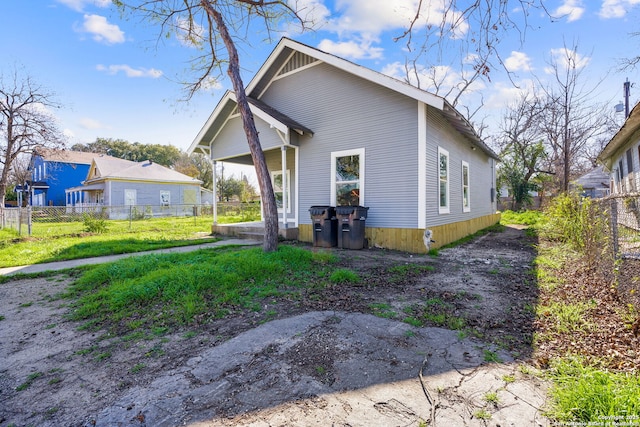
{"x": 441, "y": 134}
{"x": 346, "y": 113}
{"x": 149, "y": 194}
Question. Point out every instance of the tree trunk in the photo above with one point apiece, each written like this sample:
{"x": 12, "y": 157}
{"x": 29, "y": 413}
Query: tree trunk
{"x": 269, "y": 206}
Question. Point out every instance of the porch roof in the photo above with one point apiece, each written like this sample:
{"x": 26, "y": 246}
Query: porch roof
{"x": 226, "y": 107}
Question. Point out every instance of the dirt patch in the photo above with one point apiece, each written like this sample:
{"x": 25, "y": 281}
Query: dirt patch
{"x": 55, "y": 373}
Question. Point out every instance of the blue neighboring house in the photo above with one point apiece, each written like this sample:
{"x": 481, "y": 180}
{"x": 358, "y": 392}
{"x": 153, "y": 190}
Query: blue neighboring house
{"x": 53, "y": 171}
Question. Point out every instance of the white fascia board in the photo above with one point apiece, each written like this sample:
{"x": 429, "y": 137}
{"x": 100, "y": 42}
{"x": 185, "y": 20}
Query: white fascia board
{"x": 350, "y": 67}
{"x": 214, "y": 114}
{"x": 265, "y": 117}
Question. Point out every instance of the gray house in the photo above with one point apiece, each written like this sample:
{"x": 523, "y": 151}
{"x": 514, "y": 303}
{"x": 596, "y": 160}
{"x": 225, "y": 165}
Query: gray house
{"x": 621, "y": 156}
{"x": 594, "y": 184}
{"x": 147, "y": 186}
{"x": 335, "y": 133}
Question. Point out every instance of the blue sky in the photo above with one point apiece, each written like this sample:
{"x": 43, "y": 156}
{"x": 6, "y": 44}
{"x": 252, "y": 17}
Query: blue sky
{"x": 116, "y": 79}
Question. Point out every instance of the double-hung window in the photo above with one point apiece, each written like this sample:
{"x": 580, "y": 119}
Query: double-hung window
{"x": 466, "y": 197}
{"x": 347, "y": 178}
{"x": 443, "y": 180}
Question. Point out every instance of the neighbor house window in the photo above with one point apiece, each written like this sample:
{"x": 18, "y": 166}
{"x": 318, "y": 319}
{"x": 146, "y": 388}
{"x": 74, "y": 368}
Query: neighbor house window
{"x": 165, "y": 198}
{"x": 347, "y": 178}
{"x": 443, "y": 180}
{"x": 276, "y": 181}
{"x": 466, "y": 198}
{"x": 129, "y": 197}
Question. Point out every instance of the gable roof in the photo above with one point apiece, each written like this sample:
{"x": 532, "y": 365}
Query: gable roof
{"x": 65, "y": 156}
{"x": 106, "y": 167}
{"x": 621, "y": 138}
{"x": 595, "y": 178}
{"x": 282, "y": 53}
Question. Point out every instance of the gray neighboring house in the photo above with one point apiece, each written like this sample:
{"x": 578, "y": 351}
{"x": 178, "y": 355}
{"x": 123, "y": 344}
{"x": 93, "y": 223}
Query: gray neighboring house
{"x": 336, "y": 133}
{"x": 147, "y": 186}
{"x": 595, "y": 183}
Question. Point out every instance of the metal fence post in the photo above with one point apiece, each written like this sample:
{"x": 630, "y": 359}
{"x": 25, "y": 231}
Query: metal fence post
{"x": 29, "y": 212}
{"x": 613, "y": 209}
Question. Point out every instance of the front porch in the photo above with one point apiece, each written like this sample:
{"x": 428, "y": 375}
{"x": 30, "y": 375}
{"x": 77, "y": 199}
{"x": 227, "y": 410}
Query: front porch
{"x": 252, "y": 230}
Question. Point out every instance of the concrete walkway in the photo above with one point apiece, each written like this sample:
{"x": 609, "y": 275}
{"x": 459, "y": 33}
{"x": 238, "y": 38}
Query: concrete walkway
{"x": 63, "y": 265}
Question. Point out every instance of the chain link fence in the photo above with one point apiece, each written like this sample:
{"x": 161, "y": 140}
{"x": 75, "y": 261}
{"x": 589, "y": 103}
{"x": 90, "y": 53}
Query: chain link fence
{"x": 622, "y": 266}
{"x": 28, "y": 220}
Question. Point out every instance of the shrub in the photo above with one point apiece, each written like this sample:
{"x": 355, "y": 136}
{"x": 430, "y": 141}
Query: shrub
{"x": 94, "y": 225}
{"x": 578, "y": 222}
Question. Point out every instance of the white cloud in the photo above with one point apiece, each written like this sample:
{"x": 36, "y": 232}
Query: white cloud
{"x": 440, "y": 80}
{"x": 518, "y": 61}
{"x": 566, "y": 59}
{"x": 616, "y": 8}
{"x": 351, "y": 49}
{"x": 91, "y": 124}
{"x": 189, "y": 33}
{"x": 211, "y": 84}
{"x": 313, "y": 12}
{"x": 102, "y": 31}
{"x": 78, "y": 5}
{"x": 504, "y": 93}
{"x": 572, "y": 9}
{"x": 370, "y": 18}
{"x": 130, "y": 71}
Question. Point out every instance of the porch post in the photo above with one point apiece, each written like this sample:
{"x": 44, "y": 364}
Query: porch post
{"x": 215, "y": 193}
{"x": 284, "y": 187}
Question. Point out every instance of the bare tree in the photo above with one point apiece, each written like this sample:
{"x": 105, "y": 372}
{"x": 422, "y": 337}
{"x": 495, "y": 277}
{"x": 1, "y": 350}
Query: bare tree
{"x": 468, "y": 35}
{"x": 571, "y": 121}
{"x": 215, "y": 27}
{"x": 25, "y": 122}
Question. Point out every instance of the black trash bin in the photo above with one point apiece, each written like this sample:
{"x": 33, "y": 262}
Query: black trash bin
{"x": 325, "y": 226}
{"x": 351, "y": 223}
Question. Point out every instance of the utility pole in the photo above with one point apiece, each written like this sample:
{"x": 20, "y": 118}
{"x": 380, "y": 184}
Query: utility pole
{"x": 626, "y": 91}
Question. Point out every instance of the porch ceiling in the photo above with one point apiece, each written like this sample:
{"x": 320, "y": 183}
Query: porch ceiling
{"x": 226, "y": 108}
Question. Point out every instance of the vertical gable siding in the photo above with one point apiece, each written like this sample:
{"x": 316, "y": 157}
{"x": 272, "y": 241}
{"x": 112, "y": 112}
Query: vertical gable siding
{"x": 441, "y": 133}
{"x": 346, "y": 112}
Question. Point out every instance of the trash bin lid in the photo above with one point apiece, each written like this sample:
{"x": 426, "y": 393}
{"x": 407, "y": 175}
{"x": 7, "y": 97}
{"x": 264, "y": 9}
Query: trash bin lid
{"x": 321, "y": 210}
{"x": 359, "y": 211}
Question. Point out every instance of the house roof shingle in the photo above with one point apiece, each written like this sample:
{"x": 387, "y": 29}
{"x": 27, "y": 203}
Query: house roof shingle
{"x": 66, "y": 156}
{"x": 106, "y": 167}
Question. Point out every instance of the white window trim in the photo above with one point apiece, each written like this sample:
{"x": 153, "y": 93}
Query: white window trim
{"x": 279, "y": 172}
{"x": 336, "y": 154}
{"x": 444, "y": 209}
{"x": 164, "y": 202}
{"x": 468, "y": 185}
{"x": 135, "y": 196}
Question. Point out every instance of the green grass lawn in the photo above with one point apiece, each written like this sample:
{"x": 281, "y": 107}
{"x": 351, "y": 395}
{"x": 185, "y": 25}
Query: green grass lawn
{"x": 168, "y": 290}
{"x": 64, "y": 241}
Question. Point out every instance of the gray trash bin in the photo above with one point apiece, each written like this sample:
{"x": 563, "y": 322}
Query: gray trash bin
{"x": 351, "y": 224}
{"x": 325, "y": 226}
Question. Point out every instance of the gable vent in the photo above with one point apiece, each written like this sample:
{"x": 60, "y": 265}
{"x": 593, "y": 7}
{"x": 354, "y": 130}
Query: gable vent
{"x": 298, "y": 60}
